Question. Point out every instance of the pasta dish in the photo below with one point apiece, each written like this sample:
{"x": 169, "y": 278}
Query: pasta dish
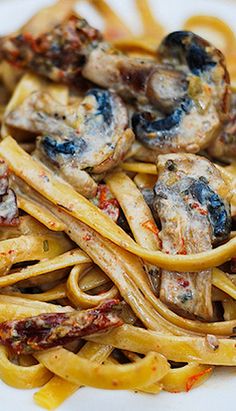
{"x": 118, "y": 203}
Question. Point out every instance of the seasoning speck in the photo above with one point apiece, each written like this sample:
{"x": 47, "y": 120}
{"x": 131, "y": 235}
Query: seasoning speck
{"x": 212, "y": 342}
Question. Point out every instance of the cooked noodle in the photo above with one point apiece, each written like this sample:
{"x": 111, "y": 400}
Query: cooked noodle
{"x": 112, "y": 252}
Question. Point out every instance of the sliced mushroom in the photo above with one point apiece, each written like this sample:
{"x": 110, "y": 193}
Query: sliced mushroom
{"x": 166, "y": 87}
{"x": 200, "y": 108}
{"x": 8, "y": 204}
{"x": 68, "y": 48}
{"x": 190, "y": 87}
{"x": 127, "y": 76}
{"x": 92, "y": 137}
{"x": 191, "y": 199}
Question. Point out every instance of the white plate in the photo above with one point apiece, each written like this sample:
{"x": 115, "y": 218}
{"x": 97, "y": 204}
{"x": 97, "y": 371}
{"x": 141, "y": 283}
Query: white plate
{"x": 216, "y": 394}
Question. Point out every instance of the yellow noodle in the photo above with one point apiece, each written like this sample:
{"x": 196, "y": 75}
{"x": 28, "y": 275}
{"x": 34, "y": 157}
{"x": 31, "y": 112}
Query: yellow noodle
{"x": 151, "y": 27}
{"x": 55, "y": 293}
{"x": 48, "y": 279}
{"x": 229, "y": 175}
{"x": 172, "y": 335}
{"x": 178, "y": 379}
{"x": 48, "y": 17}
{"x": 223, "y": 282}
{"x": 18, "y": 308}
{"x": 135, "y": 209}
{"x": 64, "y": 260}
{"x": 114, "y": 25}
{"x": 27, "y": 226}
{"x": 34, "y": 209}
{"x": 184, "y": 378}
{"x": 138, "y": 46}
{"x": 153, "y": 388}
{"x": 175, "y": 348}
{"x": 229, "y": 309}
{"x": 95, "y": 277}
{"x": 10, "y": 76}
{"x": 64, "y": 196}
{"x": 22, "y": 377}
{"x": 80, "y": 298}
{"x": 166, "y": 317}
{"x": 32, "y": 247}
{"x": 24, "y": 302}
{"x": 136, "y": 167}
{"x": 124, "y": 270}
{"x": 82, "y": 371}
{"x": 143, "y": 226}
{"x": 57, "y": 389}
{"x": 145, "y": 180}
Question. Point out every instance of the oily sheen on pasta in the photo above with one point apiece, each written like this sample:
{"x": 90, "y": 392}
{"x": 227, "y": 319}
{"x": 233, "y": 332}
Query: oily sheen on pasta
{"x": 117, "y": 211}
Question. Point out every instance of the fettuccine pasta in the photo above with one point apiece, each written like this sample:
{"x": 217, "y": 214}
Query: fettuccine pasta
{"x": 117, "y": 203}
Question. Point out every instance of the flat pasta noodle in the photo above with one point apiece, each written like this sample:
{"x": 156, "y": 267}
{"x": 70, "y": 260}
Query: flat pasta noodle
{"x": 55, "y": 293}
{"x": 61, "y": 194}
{"x": 132, "y": 266}
{"x": 57, "y": 390}
{"x": 184, "y": 378}
{"x": 229, "y": 307}
{"x": 48, "y": 17}
{"x": 61, "y": 261}
{"x": 175, "y": 348}
{"x": 136, "y": 167}
{"x": 223, "y": 282}
{"x": 153, "y": 388}
{"x": 82, "y": 371}
{"x": 52, "y": 276}
{"x": 80, "y": 298}
{"x": 124, "y": 270}
{"x": 27, "y": 226}
{"x": 32, "y": 208}
{"x": 93, "y": 278}
{"x": 151, "y": 27}
{"x": 140, "y": 46}
{"x": 19, "y": 308}
{"x": 115, "y": 27}
{"x": 31, "y": 247}
{"x": 143, "y": 226}
{"x": 229, "y": 174}
{"x": 17, "y": 376}
{"x": 184, "y": 325}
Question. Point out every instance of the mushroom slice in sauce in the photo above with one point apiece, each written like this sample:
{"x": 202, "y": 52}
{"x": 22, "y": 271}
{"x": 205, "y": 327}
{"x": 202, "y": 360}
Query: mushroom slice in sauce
{"x": 195, "y": 117}
{"x": 62, "y": 53}
{"x": 128, "y": 76}
{"x": 180, "y": 102}
{"x": 191, "y": 199}
{"x": 8, "y": 204}
{"x": 92, "y": 137}
{"x": 50, "y": 330}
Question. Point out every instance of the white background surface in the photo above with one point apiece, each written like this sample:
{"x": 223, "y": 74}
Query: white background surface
{"x": 218, "y": 393}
